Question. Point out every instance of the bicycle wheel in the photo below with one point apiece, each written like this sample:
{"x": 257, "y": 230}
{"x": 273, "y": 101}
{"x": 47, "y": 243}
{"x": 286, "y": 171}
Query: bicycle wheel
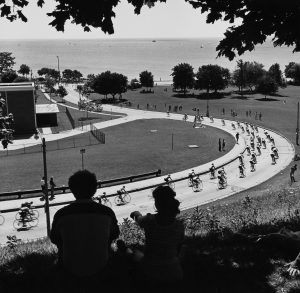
{"x": 18, "y": 224}
{"x": 118, "y": 200}
{"x": 18, "y": 216}
{"x": 2, "y": 220}
{"x": 195, "y": 187}
{"x": 35, "y": 213}
{"x": 33, "y": 222}
{"x": 127, "y": 197}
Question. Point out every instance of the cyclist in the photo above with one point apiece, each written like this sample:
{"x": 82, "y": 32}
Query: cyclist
{"x": 263, "y": 142}
{"x": 243, "y": 129}
{"x": 252, "y": 165}
{"x": 248, "y": 150}
{"x": 273, "y": 158}
{"x": 258, "y": 149}
{"x": 242, "y": 169}
{"x": 275, "y": 152}
{"x": 233, "y": 126}
{"x": 253, "y": 157}
{"x": 223, "y": 122}
{"x": 241, "y": 159}
{"x": 212, "y": 170}
{"x": 191, "y": 176}
{"x": 258, "y": 139}
{"x": 168, "y": 178}
{"x": 24, "y": 212}
{"x": 185, "y": 117}
{"x": 121, "y": 192}
{"x": 221, "y": 181}
{"x": 27, "y": 204}
{"x": 223, "y": 173}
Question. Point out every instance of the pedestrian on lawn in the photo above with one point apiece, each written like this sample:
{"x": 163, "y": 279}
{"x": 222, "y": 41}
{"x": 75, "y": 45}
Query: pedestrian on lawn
{"x": 223, "y": 145}
{"x": 52, "y": 186}
{"x": 292, "y": 173}
{"x": 43, "y": 187}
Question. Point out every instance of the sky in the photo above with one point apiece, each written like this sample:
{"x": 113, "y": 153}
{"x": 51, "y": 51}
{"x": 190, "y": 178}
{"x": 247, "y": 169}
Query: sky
{"x": 174, "y": 19}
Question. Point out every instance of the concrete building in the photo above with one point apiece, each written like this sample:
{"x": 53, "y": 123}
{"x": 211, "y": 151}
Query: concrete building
{"x": 20, "y": 101}
{"x": 46, "y": 115}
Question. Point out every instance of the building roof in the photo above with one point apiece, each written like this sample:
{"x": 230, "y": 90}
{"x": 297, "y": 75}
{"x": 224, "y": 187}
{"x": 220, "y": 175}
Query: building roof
{"x": 46, "y": 108}
{"x": 16, "y": 86}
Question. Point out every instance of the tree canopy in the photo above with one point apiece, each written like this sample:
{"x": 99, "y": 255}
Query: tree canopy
{"x": 212, "y": 77}
{"x": 247, "y": 74}
{"x": 24, "y": 69}
{"x": 267, "y": 85}
{"x": 255, "y": 19}
{"x": 109, "y": 83}
{"x": 183, "y": 77}
{"x": 292, "y": 70}
{"x": 7, "y": 61}
{"x": 146, "y": 79}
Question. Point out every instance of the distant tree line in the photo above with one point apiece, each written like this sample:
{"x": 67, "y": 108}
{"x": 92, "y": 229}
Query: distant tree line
{"x": 250, "y": 76}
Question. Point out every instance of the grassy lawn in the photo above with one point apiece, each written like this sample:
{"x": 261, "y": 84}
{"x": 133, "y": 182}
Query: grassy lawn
{"x": 130, "y": 148}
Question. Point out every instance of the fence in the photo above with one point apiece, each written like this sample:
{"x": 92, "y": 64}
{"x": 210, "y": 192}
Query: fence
{"x": 100, "y": 136}
{"x": 19, "y": 194}
{"x": 85, "y": 139}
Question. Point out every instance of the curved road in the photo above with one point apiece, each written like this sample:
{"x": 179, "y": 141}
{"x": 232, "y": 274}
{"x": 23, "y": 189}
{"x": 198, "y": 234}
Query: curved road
{"x": 142, "y": 200}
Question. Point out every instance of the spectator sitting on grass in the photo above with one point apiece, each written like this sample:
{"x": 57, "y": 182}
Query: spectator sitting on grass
{"x": 164, "y": 235}
{"x": 83, "y": 231}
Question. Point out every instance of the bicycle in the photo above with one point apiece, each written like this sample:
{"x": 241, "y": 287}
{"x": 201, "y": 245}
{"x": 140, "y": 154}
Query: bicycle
{"x": 2, "y": 219}
{"x": 197, "y": 185}
{"x": 103, "y": 200}
{"x": 123, "y": 197}
{"x": 33, "y": 212}
{"x": 222, "y": 184}
{"x": 26, "y": 220}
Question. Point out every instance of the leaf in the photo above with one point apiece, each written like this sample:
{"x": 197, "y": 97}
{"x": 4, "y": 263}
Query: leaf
{"x": 40, "y": 3}
{"x": 5, "y": 10}
{"x": 22, "y": 16}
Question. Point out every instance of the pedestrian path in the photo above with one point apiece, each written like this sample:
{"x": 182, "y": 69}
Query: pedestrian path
{"x": 141, "y": 190}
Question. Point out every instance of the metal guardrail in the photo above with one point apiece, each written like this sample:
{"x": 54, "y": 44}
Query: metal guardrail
{"x": 32, "y": 193}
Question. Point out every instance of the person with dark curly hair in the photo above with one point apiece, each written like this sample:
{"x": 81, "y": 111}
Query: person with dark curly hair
{"x": 164, "y": 234}
{"x": 84, "y": 230}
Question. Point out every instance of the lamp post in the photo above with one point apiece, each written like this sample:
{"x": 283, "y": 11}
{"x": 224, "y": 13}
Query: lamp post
{"x": 58, "y": 69}
{"x": 297, "y": 128}
{"x": 82, "y": 151}
{"x": 207, "y": 109}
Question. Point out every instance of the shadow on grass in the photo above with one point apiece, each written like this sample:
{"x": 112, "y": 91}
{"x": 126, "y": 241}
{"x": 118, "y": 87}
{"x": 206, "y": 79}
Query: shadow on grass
{"x": 203, "y": 96}
{"x": 212, "y": 264}
{"x": 240, "y": 97}
{"x": 267, "y": 100}
{"x": 87, "y": 118}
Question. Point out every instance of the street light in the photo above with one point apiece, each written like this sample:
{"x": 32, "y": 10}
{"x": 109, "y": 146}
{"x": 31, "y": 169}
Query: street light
{"x": 82, "y": 151}
{"x": 207, "y": 108}
{"x": 58, "y": 69}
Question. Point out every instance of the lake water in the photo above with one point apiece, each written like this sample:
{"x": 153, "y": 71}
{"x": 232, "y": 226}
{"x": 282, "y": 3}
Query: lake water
{"x": 131, "y": 56}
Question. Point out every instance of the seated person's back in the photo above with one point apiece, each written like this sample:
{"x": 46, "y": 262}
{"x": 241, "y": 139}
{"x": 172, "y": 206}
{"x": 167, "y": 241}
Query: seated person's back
{"x": 84, "y": 230}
